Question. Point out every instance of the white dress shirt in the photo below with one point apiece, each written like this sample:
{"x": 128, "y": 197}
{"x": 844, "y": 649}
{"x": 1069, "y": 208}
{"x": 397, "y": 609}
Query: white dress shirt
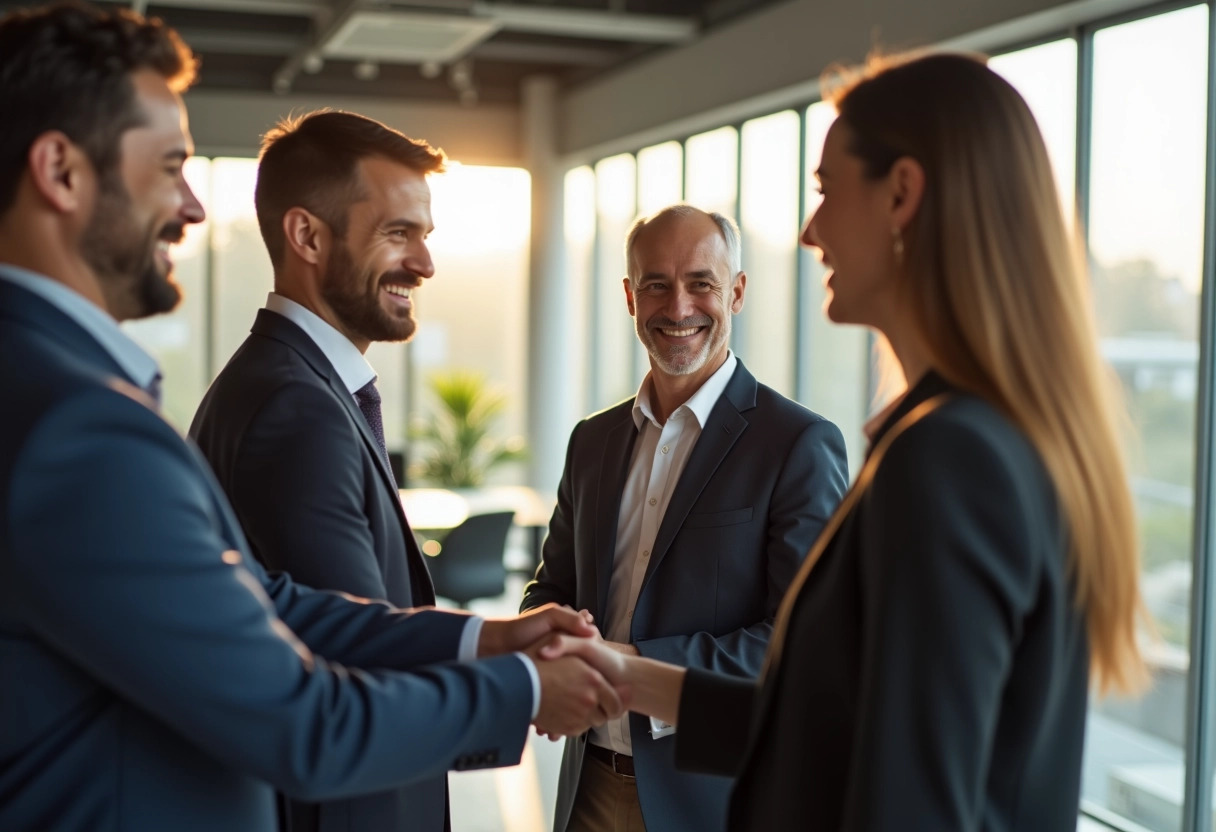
{"x": 354, "y": 371}
{"x": 659, "y": 455}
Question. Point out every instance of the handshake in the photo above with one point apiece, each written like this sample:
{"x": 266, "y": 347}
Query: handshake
{"x": 582, "y": 677}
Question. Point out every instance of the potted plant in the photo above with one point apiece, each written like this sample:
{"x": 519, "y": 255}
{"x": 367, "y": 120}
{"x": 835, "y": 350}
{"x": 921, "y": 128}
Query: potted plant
{"x": 460, "y": 448}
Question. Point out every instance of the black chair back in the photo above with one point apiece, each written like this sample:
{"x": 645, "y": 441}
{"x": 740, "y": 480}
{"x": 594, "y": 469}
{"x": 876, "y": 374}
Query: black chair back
{"x": 469, "y": 564}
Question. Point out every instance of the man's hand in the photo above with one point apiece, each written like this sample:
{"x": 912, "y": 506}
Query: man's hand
{"x": 574, "y": 696}
{"x": 623, "y": 649}
{"x": 605, "y": 656}
{"x": 506, "y": 635}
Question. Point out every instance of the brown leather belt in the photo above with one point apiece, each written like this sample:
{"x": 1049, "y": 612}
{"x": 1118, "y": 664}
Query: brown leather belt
{"x": 620, "y": 763}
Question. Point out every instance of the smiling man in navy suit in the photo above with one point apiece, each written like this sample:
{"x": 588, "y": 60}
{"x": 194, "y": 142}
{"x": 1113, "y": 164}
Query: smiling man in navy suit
{"x": 681, "y": 518}
{"x": 156, "y": 677}
{"x": 292, "y": 425}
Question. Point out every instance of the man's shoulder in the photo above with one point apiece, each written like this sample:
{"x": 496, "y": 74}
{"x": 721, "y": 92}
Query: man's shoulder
{"x": 777, "y": 408}
{"x": 610, "y": 416}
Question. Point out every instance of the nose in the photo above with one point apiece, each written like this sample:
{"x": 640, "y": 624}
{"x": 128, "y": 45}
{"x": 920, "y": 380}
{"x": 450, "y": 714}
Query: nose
{"x": 419, "y": 261}
{"x": 809, "y": 237}
{"x": 681, "y": 304}
{"x": 192, "y": 210}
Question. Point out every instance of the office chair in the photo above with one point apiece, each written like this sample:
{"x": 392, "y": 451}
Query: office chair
{"x": 470, "y": 563}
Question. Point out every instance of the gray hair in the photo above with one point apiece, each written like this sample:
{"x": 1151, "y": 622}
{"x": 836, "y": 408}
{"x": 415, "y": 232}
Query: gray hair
{"x": 726, "y": 227}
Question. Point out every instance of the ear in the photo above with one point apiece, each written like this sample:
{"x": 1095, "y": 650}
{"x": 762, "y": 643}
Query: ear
{"x": 307, "y": 235}
{"x": 907, "y": 183}
{"x": 61, "y": 173}
{"x": 736, "y": 293}
{"x": 628, "y": 284}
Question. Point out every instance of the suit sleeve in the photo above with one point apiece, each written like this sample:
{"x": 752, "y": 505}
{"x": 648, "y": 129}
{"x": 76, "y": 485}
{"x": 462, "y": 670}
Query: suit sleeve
{"x": 946, "y": 580}
{"x": 556, "y": 576}
{"x": 298, "y": 488}
{"x": 808, "y": 489}
{"x": 715, "y": 722}
{"x": 119, "y": 566}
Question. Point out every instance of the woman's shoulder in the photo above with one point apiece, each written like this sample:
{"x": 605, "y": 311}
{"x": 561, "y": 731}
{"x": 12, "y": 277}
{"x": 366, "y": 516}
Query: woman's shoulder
{"x": 970, "y": 441}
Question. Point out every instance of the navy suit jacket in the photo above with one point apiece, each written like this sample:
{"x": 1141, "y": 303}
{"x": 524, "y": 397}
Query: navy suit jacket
{"x": 765, "y": 475}
{"x": 155, "y": 677}
{"x": 316, "y": 499}
{"x": 930, "y": 670}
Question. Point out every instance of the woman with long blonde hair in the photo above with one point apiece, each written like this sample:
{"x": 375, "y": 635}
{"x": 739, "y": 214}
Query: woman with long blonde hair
{"x": 931, "y": 665}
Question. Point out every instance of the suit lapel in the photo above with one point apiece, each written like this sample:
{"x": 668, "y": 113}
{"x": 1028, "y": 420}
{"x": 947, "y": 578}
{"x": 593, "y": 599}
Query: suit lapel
{"x": 613, "y": 468}
{"x": 272, "y": 325}
{"x": 722, "y": 430}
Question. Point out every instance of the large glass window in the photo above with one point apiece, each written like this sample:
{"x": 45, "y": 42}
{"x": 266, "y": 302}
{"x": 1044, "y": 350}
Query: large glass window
{"x": 1046, "y": 76}
{"x": 578, "y": 225}
{"x": 711, "y": 172}
{"x": 1146, "y": 223}
{"x": 835, "y": 364}
{"x": 613, "y": 340}
{"x": 765, "y": 331}
{"x": 660, "y": 176}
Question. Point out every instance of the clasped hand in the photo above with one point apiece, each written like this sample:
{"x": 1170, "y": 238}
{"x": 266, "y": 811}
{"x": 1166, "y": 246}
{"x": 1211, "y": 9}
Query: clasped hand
{"x": 581, "y": 683}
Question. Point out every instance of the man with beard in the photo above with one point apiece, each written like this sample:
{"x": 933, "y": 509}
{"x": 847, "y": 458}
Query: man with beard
{"x": 681, "y": 518}
{"x": 292, "y": 425}
{"x": 156, "y": 677}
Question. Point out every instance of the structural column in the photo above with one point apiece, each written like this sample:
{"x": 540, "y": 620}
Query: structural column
{"x": 553, "y": 379}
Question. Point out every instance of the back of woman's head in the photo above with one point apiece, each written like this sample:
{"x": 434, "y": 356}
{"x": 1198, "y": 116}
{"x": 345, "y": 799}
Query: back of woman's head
{"x": 997, "y": 289}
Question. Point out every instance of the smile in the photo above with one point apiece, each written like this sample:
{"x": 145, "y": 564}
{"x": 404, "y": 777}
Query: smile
{"x": 681, "y": 333}
{"x": 399, "y": 291}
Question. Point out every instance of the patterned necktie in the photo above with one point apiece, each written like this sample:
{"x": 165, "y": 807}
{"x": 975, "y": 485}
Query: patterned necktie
{"x": 368, "y": 398}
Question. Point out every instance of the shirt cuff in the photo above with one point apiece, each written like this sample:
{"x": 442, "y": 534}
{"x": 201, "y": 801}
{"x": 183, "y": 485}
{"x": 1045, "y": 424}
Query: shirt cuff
{"x": 535, "y": 677}
{"x": 467, "y": 651}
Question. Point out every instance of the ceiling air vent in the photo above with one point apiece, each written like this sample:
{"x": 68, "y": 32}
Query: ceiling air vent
{"x": 405, "y": 38}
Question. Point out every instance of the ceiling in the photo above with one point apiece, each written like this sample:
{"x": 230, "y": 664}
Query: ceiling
{"x": 466, "y": 51}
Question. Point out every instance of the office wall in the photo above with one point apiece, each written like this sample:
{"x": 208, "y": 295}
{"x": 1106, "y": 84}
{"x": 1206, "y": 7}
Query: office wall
{"x": 231, "y": 123}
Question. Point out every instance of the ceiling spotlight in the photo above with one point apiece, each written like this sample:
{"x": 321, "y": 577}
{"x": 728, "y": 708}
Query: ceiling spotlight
{"x": 430, "y": 69}
{"x": 312, "y": 63}
{"x": 367, "y": 70}
{"x": 468, "y": 97}
{"x": 281, "y": 85}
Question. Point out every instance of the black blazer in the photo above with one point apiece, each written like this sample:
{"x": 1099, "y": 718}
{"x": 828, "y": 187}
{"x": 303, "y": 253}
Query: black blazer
{"x": 295, "y": 456}
{"x": 930, "y": 670}
{"x": 765, "y": 475}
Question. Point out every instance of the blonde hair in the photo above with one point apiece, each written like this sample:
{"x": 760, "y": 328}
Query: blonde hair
{"x": 999, "y": 292}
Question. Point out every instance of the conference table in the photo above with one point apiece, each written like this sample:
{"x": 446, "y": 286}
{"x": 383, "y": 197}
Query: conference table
{"x": 442, "y": 509}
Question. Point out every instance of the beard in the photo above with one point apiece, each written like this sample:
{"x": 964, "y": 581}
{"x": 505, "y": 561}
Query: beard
{"x": 355, "y": 299}
{"x": 123, "y": 256}
{"x": 680, "y": 359}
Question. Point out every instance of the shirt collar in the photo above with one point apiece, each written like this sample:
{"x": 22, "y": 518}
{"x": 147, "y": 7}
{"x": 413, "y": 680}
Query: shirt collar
{"x": 140, "y": 367}
{"x": 700, "y": 404}
{"x": 345, "y": 357}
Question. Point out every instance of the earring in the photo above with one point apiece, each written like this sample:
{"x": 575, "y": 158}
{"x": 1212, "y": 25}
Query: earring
{"x": 897, "y": 245}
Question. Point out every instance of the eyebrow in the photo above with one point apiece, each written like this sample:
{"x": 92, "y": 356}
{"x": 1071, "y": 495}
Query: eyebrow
{"x": 693, "y": 275}
{"x": 177, "y": 155}
{"x": 402, "y": 222}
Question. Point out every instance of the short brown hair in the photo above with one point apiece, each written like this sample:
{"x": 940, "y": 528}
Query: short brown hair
{"x": 310, "y": 162}
{"x": 68, "y": 67}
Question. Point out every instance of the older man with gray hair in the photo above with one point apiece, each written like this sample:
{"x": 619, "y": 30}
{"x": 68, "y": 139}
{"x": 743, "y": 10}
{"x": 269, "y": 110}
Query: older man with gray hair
{"x": 682, "y": 515}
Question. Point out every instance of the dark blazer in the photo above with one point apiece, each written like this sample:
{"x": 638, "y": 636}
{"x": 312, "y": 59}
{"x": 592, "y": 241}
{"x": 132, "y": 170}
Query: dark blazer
{"x": 313, "y": 493}
{"x": 155, "y": 677}
{"x": 765, "y": 475}
{"x": 930, "y": 670}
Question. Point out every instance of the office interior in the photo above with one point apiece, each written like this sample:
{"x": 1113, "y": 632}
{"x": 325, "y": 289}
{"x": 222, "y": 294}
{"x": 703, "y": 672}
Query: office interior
{"x": 566, "y": 119}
